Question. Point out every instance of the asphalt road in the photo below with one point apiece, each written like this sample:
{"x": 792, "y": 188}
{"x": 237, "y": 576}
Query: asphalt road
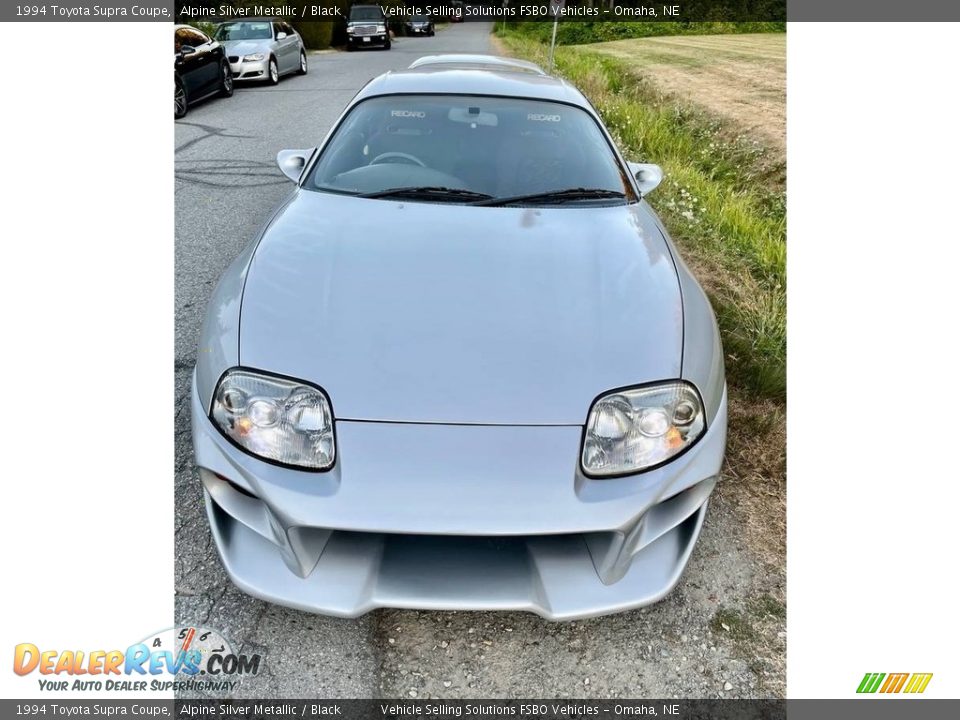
{"x": 226, "y": 183}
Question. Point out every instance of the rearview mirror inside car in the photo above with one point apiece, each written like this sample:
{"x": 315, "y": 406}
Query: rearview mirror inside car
{"x": 648, "y": 176}
{"x": 292, "y": 162}
{"x": 472, "y": 115}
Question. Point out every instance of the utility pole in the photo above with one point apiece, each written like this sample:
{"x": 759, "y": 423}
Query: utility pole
{"x": 556, "y": 6}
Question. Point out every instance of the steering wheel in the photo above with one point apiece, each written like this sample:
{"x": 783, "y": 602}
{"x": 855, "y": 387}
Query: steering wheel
{"x": 398, "y": 155}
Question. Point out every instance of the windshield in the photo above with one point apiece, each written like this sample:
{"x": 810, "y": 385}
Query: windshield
{"x": 367, "y": 12}
{"x": 420, "y": 18}
{"x": 489, "y": 146}
{"x": 244, "y": 31}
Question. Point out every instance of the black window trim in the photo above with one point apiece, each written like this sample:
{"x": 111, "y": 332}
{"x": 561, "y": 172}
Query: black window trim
{"x": 589, "y": 111}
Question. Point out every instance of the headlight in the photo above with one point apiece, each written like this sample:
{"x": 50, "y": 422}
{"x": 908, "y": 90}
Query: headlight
{"x": 632, "y": 430}
{"x": 381, "y": 28}
{"x": 351, "y": 30}
{"x": 279, "y": 420}
{"x": 257, "y": 57}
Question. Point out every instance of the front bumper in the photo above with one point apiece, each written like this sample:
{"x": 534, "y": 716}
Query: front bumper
{"x": 368, "y": 40}
{"x": 250, "y": 71}
{"x": 427, "y": 517}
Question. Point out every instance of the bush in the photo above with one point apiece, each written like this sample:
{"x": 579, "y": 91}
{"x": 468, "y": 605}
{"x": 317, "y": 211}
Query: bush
{"x": 208, "y": 28}
{"x": 316, "y": 35}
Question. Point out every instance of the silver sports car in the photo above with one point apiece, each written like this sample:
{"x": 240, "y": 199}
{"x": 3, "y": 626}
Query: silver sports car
{"x": 262, "y": 49}
{"x": 462, "y": 366}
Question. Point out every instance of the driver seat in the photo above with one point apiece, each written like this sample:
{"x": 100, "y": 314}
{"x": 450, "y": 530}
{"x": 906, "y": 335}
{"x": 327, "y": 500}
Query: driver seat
{"x": 411, "y": 136}
{"x": 536, "y": 159}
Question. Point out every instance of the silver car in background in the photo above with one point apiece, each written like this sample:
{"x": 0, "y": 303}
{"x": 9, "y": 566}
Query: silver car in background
{"x": 262, "y": 50}
{"x": 462, "y": 366}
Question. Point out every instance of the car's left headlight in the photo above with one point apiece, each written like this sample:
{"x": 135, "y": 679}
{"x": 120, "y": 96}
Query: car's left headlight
{"x": 280, "y": 420}
{"x": 641, "y": 428}
{"x": 256, "y": 57}
{"x": 381, "y": 28}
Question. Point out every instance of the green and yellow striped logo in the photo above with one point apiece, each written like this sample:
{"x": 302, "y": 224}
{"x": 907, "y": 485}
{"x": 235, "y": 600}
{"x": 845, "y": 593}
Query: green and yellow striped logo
{"x": 894, "y": 682}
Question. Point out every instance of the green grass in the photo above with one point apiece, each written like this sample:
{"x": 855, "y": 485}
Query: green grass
{"x": 722, "y": 202}
{"x": 731, "y": 623}
{"x": 768, "y": 606}
{"x": 579, "y": 33}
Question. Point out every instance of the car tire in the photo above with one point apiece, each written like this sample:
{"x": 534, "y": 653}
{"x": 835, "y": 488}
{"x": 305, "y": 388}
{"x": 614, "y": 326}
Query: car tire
{"x": 180, "y": 105}
{"x": 387, "y": 45}
{"x": 302, "y": 70}
{"x": 226, "y": 80}
{"x": 273, "y": 72}
{"x": 350, "y": 47}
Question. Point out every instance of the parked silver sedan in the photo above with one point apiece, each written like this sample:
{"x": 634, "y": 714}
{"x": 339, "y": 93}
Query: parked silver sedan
{"x": 462, "y": 366}
{"x": 262, "y": 50}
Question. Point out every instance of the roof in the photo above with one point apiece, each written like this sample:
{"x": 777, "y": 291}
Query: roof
{"x": 509, "y": 78}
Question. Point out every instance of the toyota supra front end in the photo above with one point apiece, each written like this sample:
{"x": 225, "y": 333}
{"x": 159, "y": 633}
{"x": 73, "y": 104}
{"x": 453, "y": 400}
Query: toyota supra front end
{"x": 462, "y": 366}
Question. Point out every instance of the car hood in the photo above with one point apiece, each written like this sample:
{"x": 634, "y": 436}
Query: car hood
{"x": 415, "y": 312}
{"x": 247, "y": 47}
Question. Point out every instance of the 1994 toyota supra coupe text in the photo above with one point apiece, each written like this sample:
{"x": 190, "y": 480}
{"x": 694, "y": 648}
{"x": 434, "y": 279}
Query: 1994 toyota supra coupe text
{"x": 462, "y": 366}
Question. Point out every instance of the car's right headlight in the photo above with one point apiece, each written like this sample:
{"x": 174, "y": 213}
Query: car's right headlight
{"x": 280, "y": 420}
{"x": 351, "y": 30}
{"x": 637, "y": 429}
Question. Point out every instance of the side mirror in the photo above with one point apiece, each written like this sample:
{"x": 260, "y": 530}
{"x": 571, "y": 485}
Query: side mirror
{"x": 187, "y": 50}
{"x": 648, "y": 176}
{"x": 292, "y": 162}
{"x": 281, "y": 35}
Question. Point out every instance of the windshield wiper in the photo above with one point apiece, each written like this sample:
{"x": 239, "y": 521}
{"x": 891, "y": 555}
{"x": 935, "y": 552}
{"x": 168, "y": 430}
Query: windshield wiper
{"x": 555, "y": 196}
{"x": 428, "y": 193}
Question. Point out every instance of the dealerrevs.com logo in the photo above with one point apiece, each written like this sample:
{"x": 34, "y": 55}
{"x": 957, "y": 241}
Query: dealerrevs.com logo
{"x": 885, "y": 683}
{"x": 188, "y": 658}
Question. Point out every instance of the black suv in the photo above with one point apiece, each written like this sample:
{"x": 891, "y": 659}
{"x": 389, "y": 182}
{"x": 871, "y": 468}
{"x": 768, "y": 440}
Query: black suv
{"x": 419, "y": 24}
{"x": 366, "y": 27}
